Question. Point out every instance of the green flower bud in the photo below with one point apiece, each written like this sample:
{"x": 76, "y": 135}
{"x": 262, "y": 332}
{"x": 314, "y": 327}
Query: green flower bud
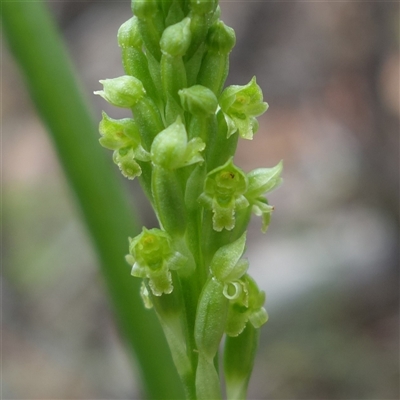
{"x": 242, "y": 104}
{"x": 171, "y": 150}
{"x": 124, "y": 91}
{"x": 223, "y": 194}
{"x": 154, "y": 258}
{"x": 247, "y": 306}
{"x": 198, "y": 100}
{"x": 215, "y": 64}
{"x": 175, "y": 40}
{"x": 221, "y": 38}
{"x": 151, "y": 25}
{"x": 226, "y": 264}
{"x": 129, "y": 35}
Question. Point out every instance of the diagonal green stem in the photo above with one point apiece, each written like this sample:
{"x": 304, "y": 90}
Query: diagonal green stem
{"x": 40, "y": 52}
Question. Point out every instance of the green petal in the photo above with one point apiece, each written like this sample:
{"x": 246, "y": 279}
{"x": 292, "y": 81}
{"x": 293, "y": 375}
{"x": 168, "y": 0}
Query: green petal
{"x": 127, "y": 164}
{"x": 258, "y": 317}
{"x": 160, "y": 282}
{"x": 236, "y": 322}
{"x": 223, "y": 217}
{"x": 144, "y": 293}
{"x": 138, "y": 271}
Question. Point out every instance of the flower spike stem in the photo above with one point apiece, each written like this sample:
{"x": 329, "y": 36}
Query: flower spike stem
{"x": 181, "y": 143}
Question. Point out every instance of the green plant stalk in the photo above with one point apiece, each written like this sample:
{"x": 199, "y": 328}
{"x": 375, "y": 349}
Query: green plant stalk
{"x": 36, "y": 45}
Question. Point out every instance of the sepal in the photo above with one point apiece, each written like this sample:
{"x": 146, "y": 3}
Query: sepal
{"x": 261, "y": 208}
{"x": 223, "y": 193}
{"x": 171, "y": 150}
{"x": 264, "y": 180}
{"x": 154, "y": 258}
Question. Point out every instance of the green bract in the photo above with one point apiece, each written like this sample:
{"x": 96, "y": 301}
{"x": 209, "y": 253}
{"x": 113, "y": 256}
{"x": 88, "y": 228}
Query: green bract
{"x": 181, "y": 142}
{"x": 153, "y": 257}
{"x": 242, "y": 104}
{"x": 226, "y": 264}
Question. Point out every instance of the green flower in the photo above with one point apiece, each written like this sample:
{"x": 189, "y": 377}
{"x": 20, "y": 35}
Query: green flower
{"x": 261, "y": 181}
{"x": 223, "y": 193}
{"x": 123, "y": 137}
{"x": 241, "y": 104}
{"x": 246, "y": 305}
{"x": 153, "y": 257}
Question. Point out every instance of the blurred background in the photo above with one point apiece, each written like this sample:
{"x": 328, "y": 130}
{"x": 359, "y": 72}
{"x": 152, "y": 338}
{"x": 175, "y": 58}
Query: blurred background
{"x": 329, "y": 262}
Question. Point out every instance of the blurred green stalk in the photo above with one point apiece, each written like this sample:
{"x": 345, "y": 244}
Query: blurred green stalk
{"x": 40, "y": 52}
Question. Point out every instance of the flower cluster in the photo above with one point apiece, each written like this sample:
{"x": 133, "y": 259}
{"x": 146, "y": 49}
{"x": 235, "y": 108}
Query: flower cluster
{"x": 181, "y": 144}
